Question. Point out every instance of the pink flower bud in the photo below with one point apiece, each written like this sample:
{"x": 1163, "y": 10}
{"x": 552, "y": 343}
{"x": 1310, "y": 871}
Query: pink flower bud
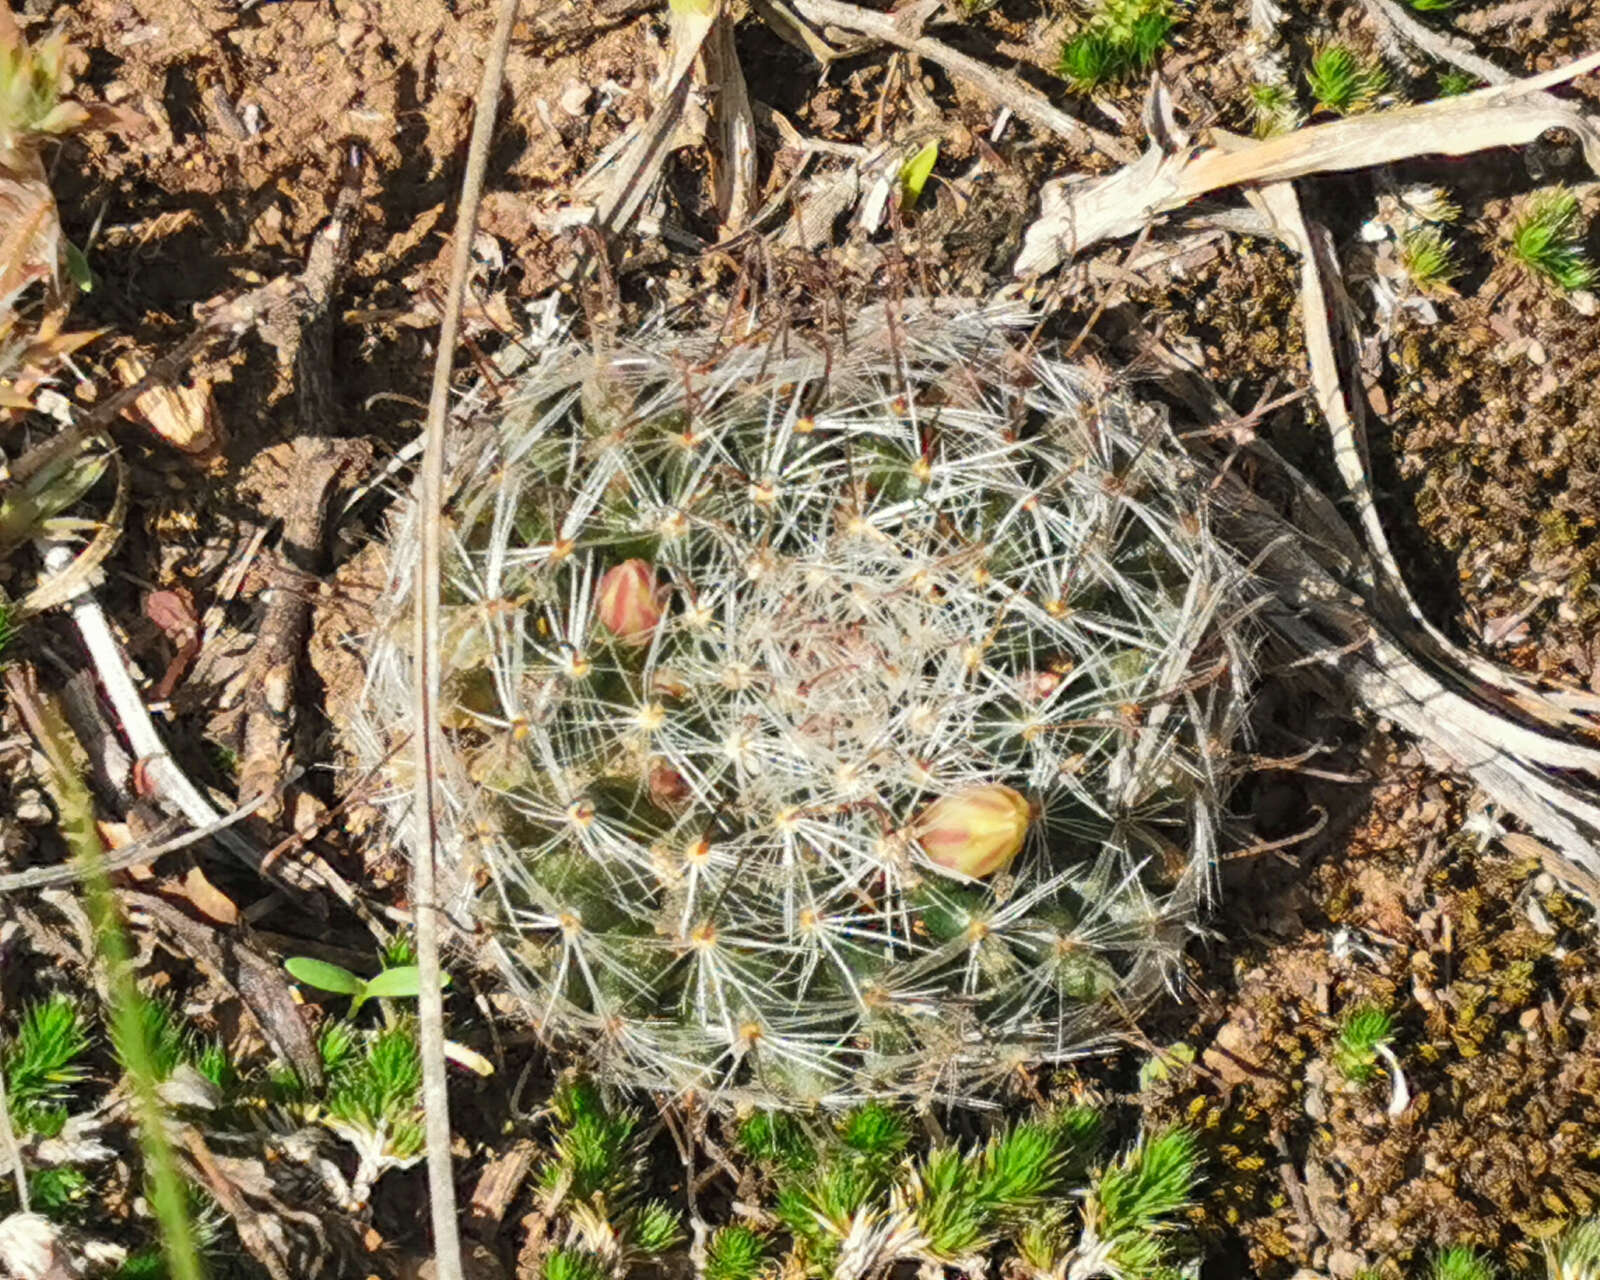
{"x": 668, "y": 788}
{"x": 976, "y": 831}
{"x": 629, "y": 603}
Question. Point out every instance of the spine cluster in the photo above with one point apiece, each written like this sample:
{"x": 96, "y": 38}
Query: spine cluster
{"x": 828, "y": 721}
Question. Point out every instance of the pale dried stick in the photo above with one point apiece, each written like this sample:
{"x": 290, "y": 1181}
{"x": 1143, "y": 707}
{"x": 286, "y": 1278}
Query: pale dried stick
{"x": 1076, "y": 213}
{"x": 424, "y": 881}
{"x": 9, "y": 1148}
{"x": 136, "y": 854}
{"x": 1393, "y": 20}
{"x": 170, "y": 782}
{"x": 1005, "y": 89}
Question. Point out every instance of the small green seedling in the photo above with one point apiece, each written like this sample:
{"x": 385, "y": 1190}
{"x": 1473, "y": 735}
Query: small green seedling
{"x": 1452, "y": 84}
{"x": 914, "y": 174}
{"x": 78, "y": 268}
{"x": 1355, "y": 1048}
{"x": 1429, "y": 257}
{"x": 1433, "y": 6}
{"x": 1123, "y": 39}
{"x": 1166, "y": 1063}
{"x": 574, "y": 1264}
{"x": 1460, "y": 1262}
{"x": 736, "y": 1252}
{"x": 40, "y": 1064}
{"x": 404, "y": 982}
{"x": 1273, "y": 108}
{"x": 1342, "y": 81}
{"x": 1548, "y": 240}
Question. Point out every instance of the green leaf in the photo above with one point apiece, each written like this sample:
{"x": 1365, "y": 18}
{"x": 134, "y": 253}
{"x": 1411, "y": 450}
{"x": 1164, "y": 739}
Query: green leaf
{"x": 401, "y": 983}
{"x": 324, "y": 976}
{"x": 78, "y": 267}
{"x": 914, "y": 174}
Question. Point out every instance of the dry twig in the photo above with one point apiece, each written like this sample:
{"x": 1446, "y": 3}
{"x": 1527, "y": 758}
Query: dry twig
{"x": 1005, "y": 89}
{"x": 1077, "y": 214}
{"x": 424, "y": 880}
{"x": 1400, "y": 26}
{"x": 319, "y": 457}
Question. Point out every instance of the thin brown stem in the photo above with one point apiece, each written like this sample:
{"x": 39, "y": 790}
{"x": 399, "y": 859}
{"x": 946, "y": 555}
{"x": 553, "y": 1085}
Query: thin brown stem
{"x": 424, "y": 882}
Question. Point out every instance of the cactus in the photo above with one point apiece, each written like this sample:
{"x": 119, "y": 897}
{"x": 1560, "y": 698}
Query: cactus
{"x": 825, "y": 722}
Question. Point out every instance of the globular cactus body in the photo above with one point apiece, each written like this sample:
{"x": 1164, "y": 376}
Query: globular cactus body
{"x": 828, "y": 722}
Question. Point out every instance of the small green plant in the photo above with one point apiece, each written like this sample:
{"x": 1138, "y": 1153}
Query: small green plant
{"x": 1453, "y": 83}
{"x": 1547, "y": 238}
{"x": 41, "y": 1065}
{"x": 736, "y": 1252}
{"x": 57, "y": 1190}
{"x": 1122, "y": 39}
{"x": 1128, "y": 1213}
{"x": 163, "y": 1032}
{"x": 1575, "y": 1253}
{"x": 399, "y": 951}
{"x": 597, "y": 1171}
{"x": 401, "y": 982}
{"x": 1432, "y": 6}
{"x": 1460, "y": 1262}
{"x": 1273, "y": 108}
{"x": 594, "y": 1150}
{"x": 574, "y": 1264}
{"x": 1429, "y": 257}
{"x": 1360, "y": 1035}
{"x": 1342, "y": 81}
{"x": 875, "y": 1132}
{"x": 914, "y": 174}
{"x": 776, "y": 1138}
{"x": 374, "y": 1098}
{"x": 142, "y": 1264}
{"x": 33, "y": 82}
{"x": 171, "y": 1043}
{"x": 856, "y": 1189}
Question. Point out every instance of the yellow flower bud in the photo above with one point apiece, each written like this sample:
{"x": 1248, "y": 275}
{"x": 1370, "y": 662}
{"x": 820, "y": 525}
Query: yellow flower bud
{"x": 628, "y": 602}
{"x": 976, "y": 831}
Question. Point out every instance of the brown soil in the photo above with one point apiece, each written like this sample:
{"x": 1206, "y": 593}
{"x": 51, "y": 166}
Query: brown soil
{"x": 1489, "y": 971}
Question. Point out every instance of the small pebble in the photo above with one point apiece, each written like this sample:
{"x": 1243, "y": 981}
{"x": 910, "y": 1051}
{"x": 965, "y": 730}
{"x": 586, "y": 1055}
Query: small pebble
{"x": 574, "y": 97}
{"x": 31, "y": 807}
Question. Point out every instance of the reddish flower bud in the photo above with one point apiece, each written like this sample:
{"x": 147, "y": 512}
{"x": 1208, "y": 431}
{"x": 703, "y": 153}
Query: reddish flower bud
{"x": 629, "y": 602}
{"x": 668, "y": 788}
{"x": 976, "y": 831}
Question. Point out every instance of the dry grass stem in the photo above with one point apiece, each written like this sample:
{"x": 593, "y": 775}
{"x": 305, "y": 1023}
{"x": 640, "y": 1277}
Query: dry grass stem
{"x": 424, "y": 893}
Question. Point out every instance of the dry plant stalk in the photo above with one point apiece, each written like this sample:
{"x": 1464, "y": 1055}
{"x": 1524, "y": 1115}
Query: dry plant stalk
{"x": 1077, "y": 214}
{"x": 424, "y": 894}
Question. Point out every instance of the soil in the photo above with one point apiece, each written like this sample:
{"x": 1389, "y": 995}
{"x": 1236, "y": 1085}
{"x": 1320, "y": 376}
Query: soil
{"x": 1487, "y": 441}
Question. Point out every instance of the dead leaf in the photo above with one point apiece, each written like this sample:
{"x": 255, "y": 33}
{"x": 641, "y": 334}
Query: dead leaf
{"x": 208, "y": 899}
{"x": 185, "y": 417}
{"x": 173, "y": 611}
